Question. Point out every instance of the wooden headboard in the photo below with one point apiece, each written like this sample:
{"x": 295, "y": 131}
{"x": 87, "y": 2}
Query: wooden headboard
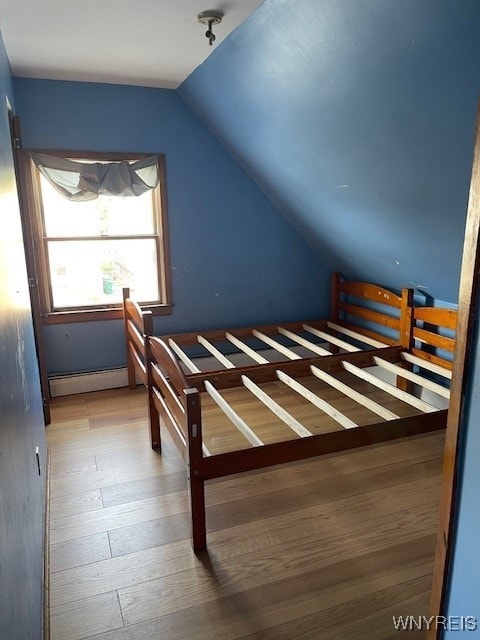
{"x": 427, "y": 340}
{"x": 391, "y": 310}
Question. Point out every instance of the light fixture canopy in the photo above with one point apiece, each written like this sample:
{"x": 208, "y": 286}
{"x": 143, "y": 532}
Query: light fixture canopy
{"x": 210, "y": 17}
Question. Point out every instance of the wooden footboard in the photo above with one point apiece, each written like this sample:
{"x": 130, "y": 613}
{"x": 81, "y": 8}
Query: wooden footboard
{"x": 333, "y": 392}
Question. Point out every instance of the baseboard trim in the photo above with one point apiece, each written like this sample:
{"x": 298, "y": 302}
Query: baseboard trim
{"x": 86, "y": 382}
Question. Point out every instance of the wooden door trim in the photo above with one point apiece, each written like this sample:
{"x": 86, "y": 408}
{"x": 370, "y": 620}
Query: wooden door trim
{"x": 467, "y": 312}
{"x": 16, "y": 138}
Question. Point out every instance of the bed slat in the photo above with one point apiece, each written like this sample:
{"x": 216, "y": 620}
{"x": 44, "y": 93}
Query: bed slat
{"x": 305, "y": 343}
{"x": 279, "y": 411}
{"x": 355, "y": 395}
{"x": 425, "y": 364}
{"x": 414, "y": 377}
{"x": 358, "y": 336}
{"x": 276, "y": 345}
{"x": 331, "y": 339}
{"x": 240, "y": 424}
{"x": 320, "y": 403}
{"x": 389, "y": 388}
{"x": 183, "y": 357}
{"x": 215, "y": 353}
{"x": 246, "y": 349}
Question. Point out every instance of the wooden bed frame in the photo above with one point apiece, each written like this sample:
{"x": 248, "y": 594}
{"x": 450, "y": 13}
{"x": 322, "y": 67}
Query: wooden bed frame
{"x": 353, "y": 304}
{"x": 177, "y": 388}
{"x": 176, "y": 403}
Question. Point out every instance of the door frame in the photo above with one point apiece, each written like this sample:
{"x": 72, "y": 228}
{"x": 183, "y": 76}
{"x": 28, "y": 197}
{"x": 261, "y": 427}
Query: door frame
{"x": 16, "y": 139}
{"x": 468, "y": 311}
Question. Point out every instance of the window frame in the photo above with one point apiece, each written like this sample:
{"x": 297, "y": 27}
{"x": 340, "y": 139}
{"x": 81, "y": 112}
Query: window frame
{"x": 31, "y": 196}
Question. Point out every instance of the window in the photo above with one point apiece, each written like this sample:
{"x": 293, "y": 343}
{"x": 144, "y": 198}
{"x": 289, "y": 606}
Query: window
{"x": 88, "y": 250}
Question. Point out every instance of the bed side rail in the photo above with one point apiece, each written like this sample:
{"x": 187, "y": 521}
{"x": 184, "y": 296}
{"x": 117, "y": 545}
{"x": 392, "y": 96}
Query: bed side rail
{"x": 138, "y": 324}
{"x": 372, "y": 310}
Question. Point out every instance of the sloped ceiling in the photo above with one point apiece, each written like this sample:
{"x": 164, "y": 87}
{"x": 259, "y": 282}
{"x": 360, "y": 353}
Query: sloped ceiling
{"x": 357, "y": 118}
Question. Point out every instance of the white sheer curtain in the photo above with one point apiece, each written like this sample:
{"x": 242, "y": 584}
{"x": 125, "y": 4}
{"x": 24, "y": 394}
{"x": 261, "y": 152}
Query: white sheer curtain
{"x": 81, "y": 181}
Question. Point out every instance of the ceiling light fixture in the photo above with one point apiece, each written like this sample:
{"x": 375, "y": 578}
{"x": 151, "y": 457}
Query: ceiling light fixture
{"x": 210, "y": 18}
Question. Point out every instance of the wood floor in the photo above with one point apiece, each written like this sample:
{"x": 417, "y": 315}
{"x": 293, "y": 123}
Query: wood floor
{"x": 329, "y": 548}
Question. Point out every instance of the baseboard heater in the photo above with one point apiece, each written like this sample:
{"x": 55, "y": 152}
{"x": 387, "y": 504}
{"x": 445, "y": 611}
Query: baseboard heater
{"x": 91, "y": 381}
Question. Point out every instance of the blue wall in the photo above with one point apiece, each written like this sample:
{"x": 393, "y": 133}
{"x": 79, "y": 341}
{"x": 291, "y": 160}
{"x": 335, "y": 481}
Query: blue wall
{"x": 235, "y": 259}
{"x": 356, "y": 117}
{"x": 21, "y": 416}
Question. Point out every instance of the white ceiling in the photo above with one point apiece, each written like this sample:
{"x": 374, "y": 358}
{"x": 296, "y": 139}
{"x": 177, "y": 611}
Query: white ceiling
{"x": 155, "y": 43}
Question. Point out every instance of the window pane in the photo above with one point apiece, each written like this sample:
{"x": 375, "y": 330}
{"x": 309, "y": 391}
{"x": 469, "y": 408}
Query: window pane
{"x": 92, "y": 273}
{"x": 105, "y": 216}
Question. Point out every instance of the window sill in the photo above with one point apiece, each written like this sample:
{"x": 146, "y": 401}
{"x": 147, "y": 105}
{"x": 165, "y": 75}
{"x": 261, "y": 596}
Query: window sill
{"x": 94, "y": 315}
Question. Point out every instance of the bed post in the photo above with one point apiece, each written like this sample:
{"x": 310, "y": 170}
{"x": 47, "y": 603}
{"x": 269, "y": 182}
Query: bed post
{"x": 405, "y": 337}
{"x": 195, "y": 483}
{"x": 130, "y": 366}
{"x": 147, "y": 323}
{"x": 336, "y": 279}
{"x": 406, "y": 318}
{"x": 154, "y": 418}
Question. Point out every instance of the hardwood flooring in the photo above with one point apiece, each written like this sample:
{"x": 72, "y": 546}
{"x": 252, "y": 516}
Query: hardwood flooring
{"x": 330, "y": 548}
